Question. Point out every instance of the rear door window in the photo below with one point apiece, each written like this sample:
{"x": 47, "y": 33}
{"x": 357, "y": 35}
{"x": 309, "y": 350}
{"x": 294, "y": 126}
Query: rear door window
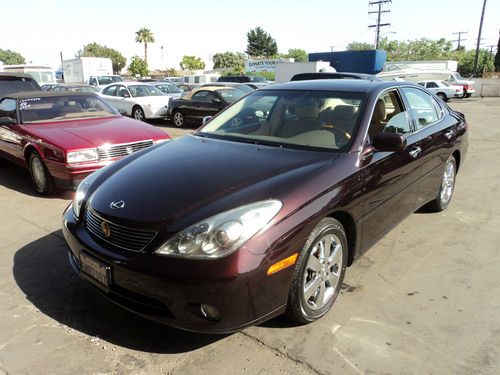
{"x": 423, "y": 107}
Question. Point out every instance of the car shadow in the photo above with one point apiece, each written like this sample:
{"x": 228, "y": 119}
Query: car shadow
{"x": 16, "y": 178}
{"x": 42, "y": 272}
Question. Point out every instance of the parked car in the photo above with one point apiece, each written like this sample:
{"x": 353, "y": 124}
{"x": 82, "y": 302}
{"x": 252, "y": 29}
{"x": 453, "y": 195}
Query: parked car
{"x": 140, "y": 100}
{"x": 333, "y": 75}
{"x": 48, "y": 86}
{"x": 468, "y": 86}
{"x": 246, "y": 88}
{"x": 443, "y": 89}
{"x": 187, "y": 87}
{"x": 168, "y": 89}
{"x": 280, "y": 202}
{"x": 17, "y": 82}
{"x": 202, "y": 102}
{"x": 62, "y": 137}
{"x": 255, "y": 80}
{"x": 75, "y": 87}
{"x": 102, "y": 81}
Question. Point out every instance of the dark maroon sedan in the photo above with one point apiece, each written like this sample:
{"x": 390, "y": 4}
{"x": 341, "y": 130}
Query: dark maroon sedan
{"x": 261, "y": 210}
{"x": 63, "y": 137}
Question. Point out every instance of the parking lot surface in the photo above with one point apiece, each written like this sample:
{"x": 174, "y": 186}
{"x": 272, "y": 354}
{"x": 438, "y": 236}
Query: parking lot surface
{"x": 424, "y": 300}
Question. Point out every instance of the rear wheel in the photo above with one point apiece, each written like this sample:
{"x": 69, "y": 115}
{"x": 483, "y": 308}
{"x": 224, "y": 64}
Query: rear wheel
{"x": 138, "y": 114}
{"x": 178, "y": 119}
{"x": 447, "y": 187}
{"x": 318, "y": 277}
{"x": 442, "y": 96}
{"x": 40, "y": 176}
{"x": 468, "y": 95}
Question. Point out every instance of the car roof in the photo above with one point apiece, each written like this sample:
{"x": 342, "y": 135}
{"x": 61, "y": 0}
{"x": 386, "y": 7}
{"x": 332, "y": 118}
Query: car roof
{"x": 19, "y": 75}
{"x": 71, "y": 85}
{"x": 332, "y": 75}
{"x": 353, "y": 85}
{"x": 44, "y": 94}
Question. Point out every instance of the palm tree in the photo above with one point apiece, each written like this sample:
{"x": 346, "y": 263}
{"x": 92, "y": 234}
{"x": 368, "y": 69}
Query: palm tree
{"x": 144, "y": 35}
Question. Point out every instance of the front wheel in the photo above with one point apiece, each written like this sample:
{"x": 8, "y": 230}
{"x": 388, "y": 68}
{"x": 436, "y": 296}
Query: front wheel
{"x": 442, "y": 96}
{"x": 40, "y": 176}
{"x": 320, "y": 270}
{"x": 447, "y": 186}
{"x": 138, "y": 114}
{"x": 178, "y": 119}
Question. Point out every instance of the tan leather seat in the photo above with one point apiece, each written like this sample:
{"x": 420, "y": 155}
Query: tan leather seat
{"x": 305, "y": 120}
{"x": 377, "y": 123}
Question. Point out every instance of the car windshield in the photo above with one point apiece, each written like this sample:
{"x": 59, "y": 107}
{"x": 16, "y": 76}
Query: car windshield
{"x": 259, "y": 79}
{"x": 62, "y": 108}
{"x": 107, "y": 80}
{"x": 169, "y": 88}
{"x": 296, "y": 119}
{"x": 15, "y": 84}
{"x": 231, "y": 95}
{"x": 245, "y": 88}
{"x": 144, "y": 90}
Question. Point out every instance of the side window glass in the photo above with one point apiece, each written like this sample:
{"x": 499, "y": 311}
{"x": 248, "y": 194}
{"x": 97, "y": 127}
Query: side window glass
{"x": 8, "y": 108}
{"x": 93, "y": 81}
{"x": 422, "y": 106}
{"x": 109, "y": 90}
{"x": 122, "y": 92}
{"x": 201, "y": 96}
{"x": 389, "y": 116}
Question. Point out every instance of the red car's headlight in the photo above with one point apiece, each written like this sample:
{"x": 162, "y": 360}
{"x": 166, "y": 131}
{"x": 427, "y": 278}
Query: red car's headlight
{"x": 81, "y": 156}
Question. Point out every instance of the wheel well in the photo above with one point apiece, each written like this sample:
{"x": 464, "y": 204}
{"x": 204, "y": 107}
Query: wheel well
{"x": 27, "y": 152}
{"x": 350, "y": 230}
{"x": 136, "y": 106}
{"x": 456, "y": 155}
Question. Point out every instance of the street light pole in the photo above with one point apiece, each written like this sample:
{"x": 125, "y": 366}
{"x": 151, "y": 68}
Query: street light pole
{"x": 479, "y": 39}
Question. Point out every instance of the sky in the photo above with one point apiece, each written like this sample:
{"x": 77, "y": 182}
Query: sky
{"x": 40, "y": 29}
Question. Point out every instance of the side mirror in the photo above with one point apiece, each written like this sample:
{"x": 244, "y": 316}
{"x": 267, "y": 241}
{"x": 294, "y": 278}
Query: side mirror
{"x": 389, "y": 142}
{"x": 7, "y": 121}
{"x": 206, "y": 119}
{"x": 122, "y": 112}
{"x": 216, "y": 101}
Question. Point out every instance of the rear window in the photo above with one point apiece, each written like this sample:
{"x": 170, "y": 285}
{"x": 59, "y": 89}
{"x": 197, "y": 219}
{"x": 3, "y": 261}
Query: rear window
{"x": 10, "y": 85}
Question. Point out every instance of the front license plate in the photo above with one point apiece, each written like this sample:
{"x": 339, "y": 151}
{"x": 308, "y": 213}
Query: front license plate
{"x": 95, "y": 270}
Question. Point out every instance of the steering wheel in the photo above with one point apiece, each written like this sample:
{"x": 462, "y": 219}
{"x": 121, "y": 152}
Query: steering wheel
{"x": 346, "y": 136}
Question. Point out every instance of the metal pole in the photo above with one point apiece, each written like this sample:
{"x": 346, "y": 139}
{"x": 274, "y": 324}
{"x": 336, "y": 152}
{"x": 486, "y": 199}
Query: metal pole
{"x": 479, "y": 39}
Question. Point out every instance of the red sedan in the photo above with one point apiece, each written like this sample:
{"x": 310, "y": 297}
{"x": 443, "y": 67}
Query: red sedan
{"x": 61, "y": 138}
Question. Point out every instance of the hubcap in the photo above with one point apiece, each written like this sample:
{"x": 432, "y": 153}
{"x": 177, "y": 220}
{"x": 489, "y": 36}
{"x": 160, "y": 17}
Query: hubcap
{"x": 138, "y": 114}
{"x": 448, "y": 183}
{"x": 178, "y": 119}
{"x": 322, "y": 273}
{"x": 38, "y": 173}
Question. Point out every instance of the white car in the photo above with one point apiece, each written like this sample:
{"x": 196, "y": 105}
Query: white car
{"x": 443, "y": 89}
{"x": 139, "y": 100}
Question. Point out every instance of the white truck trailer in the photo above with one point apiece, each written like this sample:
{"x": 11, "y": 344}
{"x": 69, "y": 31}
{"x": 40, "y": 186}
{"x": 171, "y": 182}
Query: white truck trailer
{"x": 96, "y": 71}
{"x": 285, "y": 71}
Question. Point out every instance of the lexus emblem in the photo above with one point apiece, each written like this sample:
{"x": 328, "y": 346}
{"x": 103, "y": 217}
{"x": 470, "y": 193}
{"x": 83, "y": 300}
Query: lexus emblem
{"x": 106, "y": 230}
{"x": 116, "y": 205}
{"x": 129, "y": 149}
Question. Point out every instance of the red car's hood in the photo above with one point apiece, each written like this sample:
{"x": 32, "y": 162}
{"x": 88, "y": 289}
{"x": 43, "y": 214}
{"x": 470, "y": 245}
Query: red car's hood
{"x": 78, "y": 134}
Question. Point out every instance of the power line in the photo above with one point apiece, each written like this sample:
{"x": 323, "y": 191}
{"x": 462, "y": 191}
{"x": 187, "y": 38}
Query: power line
{"x": 379, "y": 12}
{"x": 460, "y": 39}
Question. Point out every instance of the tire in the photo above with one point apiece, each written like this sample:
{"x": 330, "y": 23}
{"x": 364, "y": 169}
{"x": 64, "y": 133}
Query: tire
{"x": 178, "y": 118}
{"x": 40, "y": 176}
{"x": 464, "y": 94}
{"x": 138, "y": 114}
{"x": 468, "y": 95}
{"x": 446, "y": 188}
{"x": 305, "y": 305}
{"x": 442, "y": 96}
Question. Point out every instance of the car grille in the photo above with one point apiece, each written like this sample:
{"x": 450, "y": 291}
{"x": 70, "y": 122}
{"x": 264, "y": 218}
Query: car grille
{"x": 114, "y": 151}
{"x": 119, "y": 236}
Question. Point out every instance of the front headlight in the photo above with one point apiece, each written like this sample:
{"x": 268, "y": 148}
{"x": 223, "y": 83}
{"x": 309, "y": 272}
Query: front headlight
{"x": 221, "y": 234}
{"x": 82, "y": 190}
{"x": 80, "y": 156}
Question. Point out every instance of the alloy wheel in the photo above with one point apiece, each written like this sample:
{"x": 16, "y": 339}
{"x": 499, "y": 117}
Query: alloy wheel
{"x": 38, "y": 173}
{"x": 448, "y": 183}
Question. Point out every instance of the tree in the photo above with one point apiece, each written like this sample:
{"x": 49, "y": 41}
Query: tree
{"x": 359, "y": 46}
{"x": 261, "y": 44}
{"x": 497, "y": 57}
{"x": 97, "y": 50}
{"x": 138, "y": 66}
{"x": 144, "y": 35}
{"x": 9, "y": 57}
{"x": 231, "y": 60}
{"x": 466, "y": 61}
{"x": 299, "y": 55}
{"x": 192, "y": 63}
{"x": 415, "y": 50}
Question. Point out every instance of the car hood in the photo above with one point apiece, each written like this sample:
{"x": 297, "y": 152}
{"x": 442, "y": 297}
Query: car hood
{"x": 191, "y": 178}
{"x": 78, "y": 134}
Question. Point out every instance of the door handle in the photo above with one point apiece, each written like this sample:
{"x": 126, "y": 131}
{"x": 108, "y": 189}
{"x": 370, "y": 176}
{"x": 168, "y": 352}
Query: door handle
{"x": 415, "y": 152}
{"x": 449, "y": 134}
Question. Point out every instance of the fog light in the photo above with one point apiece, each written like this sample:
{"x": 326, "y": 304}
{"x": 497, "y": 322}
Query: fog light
{"x": 210, "y": 312}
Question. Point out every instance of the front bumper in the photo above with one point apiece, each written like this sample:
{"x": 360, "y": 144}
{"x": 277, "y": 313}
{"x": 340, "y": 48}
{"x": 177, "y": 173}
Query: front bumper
{"x": 172, "y": 290}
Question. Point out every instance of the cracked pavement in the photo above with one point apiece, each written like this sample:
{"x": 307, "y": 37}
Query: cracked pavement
{"x": 425, "y": 299}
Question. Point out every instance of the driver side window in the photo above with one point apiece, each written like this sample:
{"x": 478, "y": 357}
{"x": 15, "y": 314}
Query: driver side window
{"x": 389, "y": 116}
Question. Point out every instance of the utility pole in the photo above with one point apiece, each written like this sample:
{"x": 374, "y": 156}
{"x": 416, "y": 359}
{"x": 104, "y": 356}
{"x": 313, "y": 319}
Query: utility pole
{"x": 460, "y": 39}
{"x": 479, "y": 39}
{"x": 491, "y": 46}
{"x": 379, "y": 12}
